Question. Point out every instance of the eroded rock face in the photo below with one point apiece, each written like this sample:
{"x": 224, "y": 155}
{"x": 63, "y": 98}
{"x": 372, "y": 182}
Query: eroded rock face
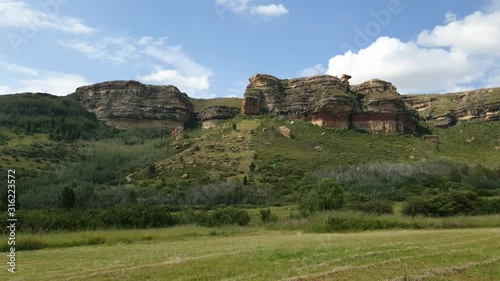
{"x": 212, "y": 116}
{"x": 128, "y": 104}
{"x": 444, "y": 110}
{"x": 327, "y": 101}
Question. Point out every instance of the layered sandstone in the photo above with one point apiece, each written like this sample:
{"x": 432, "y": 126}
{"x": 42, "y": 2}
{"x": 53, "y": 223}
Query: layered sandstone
{"x": 128, "y": 104}
{"x": 374, "y": 106}
{"x": 444, "y": 110}
{"x": 214, "y": 115}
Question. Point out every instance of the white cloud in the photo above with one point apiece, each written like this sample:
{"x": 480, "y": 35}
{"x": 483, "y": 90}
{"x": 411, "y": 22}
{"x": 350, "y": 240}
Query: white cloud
{"x": 406, "y": 65}
{"x": 18, "y": 14}
{"x": 177, "y": 67}
{"x": 244, "y": 7}
{"x": 449, "y": 17}
{"x": 191, "y": 84}
{"x": 235, "y": 6}
{"x": 110, "y": 49}
{"x": 55, "y": 83}
{"x": 460, "y": 55}
{"x": 477, "y": 33}
{"x": 5, "y": 90}
{"x": 312, "y": 71}
{"x": 27, "y": 79}
{"x": 148, "y": 40}
{"x": 271, "y": 10}
{"x": 18, "y": 69}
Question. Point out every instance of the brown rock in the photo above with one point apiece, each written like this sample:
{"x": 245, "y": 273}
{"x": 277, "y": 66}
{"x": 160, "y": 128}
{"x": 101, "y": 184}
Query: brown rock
{"x": 128, "y": 104}
{"x": 178, "y": 134}
{"x": 345, "y": 78}
{"x": 285, "y": 131}
{"x": 444, "y": 110}
{"x": 326, "y": 101}
{"x": 212, "y": 116}
{"x": 433, "y": 139}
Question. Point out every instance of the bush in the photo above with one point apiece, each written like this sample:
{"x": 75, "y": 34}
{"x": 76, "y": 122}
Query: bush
{"x": 266, "y": 215}
{"x": 224, "y": 216}
{"x": 415, "y": 206}
{"x": 356, "y": 222}
{"x": 443, "y": 204}
{"x": 75, "y": 220}
{"x": 376, "y": 207}
{"x": 327, "y": 195}
{"x": 488, "y": 206}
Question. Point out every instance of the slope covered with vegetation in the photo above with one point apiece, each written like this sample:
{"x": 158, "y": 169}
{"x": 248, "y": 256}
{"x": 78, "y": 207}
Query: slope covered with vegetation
{"x": 82, "y": 164}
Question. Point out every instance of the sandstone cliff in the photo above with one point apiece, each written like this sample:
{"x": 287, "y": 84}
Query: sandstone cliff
{"x": 374, "y": 106}
{"x": 213, "y": 115}
{"x": 127, "y": 104}
{"x": 444, "y": 110}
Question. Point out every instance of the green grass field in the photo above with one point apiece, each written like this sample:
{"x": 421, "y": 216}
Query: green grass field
{"x": 195, "y": 253}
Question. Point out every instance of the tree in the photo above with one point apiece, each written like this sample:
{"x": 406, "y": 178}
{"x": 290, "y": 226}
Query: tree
{"x": 68, "y": 198}
{"x": 151, "y": 169}
{"x": 252, "y": 167}
{"x": 325, "y": 196}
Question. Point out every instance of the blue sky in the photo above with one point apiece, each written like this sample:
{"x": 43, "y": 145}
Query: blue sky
{"x": 209, "y": 48}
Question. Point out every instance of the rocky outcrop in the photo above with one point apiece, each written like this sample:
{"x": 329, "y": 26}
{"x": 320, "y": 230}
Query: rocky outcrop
{"x": 444, "y": 110}
{"x": 212, "y": 116}
{"x": 128, "y": 104}
{"x": 374, "y": 106}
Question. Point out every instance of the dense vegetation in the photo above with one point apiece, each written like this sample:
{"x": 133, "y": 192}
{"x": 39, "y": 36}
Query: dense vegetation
{"x": 71, "y": 165}
{"x": 60, "y": 117}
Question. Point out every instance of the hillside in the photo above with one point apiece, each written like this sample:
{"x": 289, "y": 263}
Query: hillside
{"x": 56, "y": 144}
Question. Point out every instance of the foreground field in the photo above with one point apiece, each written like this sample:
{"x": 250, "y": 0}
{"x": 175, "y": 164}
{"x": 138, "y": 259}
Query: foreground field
{"x": 257, "y": 254}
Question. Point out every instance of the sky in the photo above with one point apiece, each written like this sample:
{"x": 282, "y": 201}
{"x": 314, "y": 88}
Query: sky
{"x": 209, "y": 48}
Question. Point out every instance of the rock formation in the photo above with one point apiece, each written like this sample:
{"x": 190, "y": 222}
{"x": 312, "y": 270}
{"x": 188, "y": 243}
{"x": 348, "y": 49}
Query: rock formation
{"x": 127, "y": 104}
{"x": 212, "y": 116}
{"x": 444, "y": 110}
{"x": 286, "y": 132}
{"x": 374, "y": 106}
{"x": 178, "y": 134}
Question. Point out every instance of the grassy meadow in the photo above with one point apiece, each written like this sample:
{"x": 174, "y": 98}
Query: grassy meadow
{"x": 287, "y": 248}
{"x": 242, "y": 202}
{"x": 253, "y": 253}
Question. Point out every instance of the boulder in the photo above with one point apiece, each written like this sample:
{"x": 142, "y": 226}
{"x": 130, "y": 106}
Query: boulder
{"x": 285, "y": 131}
{"x": 178, "y": 134}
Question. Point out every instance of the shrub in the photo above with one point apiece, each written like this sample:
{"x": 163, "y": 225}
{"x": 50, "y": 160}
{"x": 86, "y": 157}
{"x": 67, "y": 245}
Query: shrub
{"x": 488, "y": 206}
{"x": 415, "y": 206}
{"x": 443, "y": 204}
{"x": 224, "y": 216}
{"x": 356, "y": 222}
{"x": 327, "y": 195}
{"x": 266, "y": 215}
{"x": 376, "y": 207}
